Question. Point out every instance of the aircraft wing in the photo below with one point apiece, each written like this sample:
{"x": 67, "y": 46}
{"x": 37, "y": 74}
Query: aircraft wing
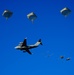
{"x": 24, "y": 43}
{"x": 27, "y": 50}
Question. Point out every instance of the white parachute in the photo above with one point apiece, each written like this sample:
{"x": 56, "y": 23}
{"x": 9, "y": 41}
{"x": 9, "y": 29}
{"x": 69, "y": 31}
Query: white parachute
{"x": 7, "y": 14}
{"x": 67, "y": 58}
{"x": 31, "y": 16}
{"x": 65, "y": 11}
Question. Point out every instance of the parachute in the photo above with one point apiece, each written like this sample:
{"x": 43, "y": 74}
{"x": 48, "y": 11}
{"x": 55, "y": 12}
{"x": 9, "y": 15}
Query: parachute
{"x": 65, "y": 11}
{"x": 7, "y": 14}
{"x": 61, "y": 57}
{"x": 31, "y": 16}
{"x": 67, "y": 58}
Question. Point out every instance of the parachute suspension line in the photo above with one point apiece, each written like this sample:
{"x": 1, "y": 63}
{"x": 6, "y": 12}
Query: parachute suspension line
{"x": 32, "y": 20}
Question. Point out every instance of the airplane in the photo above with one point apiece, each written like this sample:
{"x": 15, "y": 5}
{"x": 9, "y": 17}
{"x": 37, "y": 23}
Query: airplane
{"x": 25, "y": 48}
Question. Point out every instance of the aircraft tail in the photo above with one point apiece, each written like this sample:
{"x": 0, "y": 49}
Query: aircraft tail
{"x": 38, "y": 42}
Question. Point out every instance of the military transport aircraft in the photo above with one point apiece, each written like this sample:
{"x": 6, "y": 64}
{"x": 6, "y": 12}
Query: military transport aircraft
{"x": 23, "y": 46}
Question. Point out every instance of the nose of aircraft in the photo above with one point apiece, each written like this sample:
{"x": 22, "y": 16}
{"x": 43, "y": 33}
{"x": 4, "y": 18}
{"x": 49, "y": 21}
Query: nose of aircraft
{"x": 15, "y": 47}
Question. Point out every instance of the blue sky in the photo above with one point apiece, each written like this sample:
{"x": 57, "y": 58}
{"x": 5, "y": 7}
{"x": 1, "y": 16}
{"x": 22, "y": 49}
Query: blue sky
{"x": 56, "y": 32}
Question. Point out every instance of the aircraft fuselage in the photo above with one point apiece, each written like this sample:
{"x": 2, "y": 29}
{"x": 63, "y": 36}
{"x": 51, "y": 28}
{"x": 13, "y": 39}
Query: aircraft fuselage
{"x": 25, "y": 47}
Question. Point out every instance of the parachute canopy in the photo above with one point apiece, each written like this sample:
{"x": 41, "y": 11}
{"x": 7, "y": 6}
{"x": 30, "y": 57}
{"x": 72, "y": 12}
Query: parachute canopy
{"x": 31, "y": 16}
{"x": 61, "y": 57}
{"x": 7, "y": 14}
{"x": 67, "y": 59}
{"x": 65, "y": 11}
